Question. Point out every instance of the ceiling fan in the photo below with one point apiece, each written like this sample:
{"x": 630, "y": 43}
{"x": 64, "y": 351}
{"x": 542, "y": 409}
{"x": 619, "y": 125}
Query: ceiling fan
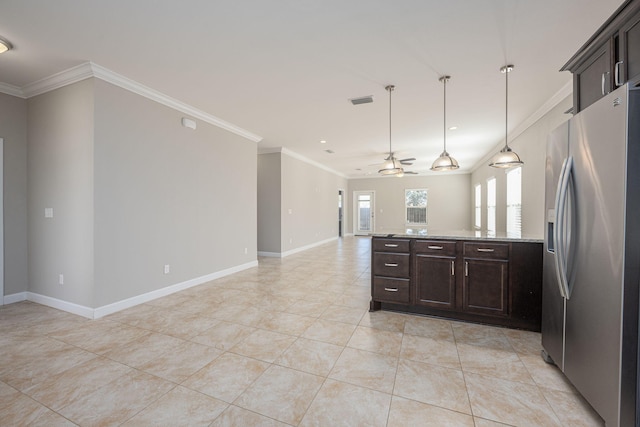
{"x": 393, "y": 166}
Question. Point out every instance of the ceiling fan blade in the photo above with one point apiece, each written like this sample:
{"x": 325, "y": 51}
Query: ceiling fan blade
{"x": 409, "y": 159}
{"x": 402, "y": 162}
{"x": 410, "y": 173}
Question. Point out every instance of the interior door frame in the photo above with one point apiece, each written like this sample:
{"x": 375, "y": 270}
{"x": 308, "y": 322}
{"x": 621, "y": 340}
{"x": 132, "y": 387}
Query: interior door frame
{"x": 355, "y": 212}
{"x": 343, "y": 222}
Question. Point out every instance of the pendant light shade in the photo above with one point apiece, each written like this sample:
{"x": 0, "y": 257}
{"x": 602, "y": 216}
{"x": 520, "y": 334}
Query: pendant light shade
{"x": 506, "y": 158}
{"x": 445, "y": 162}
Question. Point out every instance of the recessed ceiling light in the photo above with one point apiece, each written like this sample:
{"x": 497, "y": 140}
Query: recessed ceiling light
{"x": 4, "y": 45}
{"x": 453, "y": 128}
{"x": 323, "y": 142}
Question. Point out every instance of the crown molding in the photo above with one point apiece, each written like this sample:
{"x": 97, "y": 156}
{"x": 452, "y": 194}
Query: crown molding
{"x": 545, "y": 108}
{"x": 89, "y": 69}
{"x": 12, "y": 90}
{"x": 152, "y": 94}
{"x": 300, "y": 157}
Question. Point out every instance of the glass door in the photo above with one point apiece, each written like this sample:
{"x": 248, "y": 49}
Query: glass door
{"x": 364, "y": 212}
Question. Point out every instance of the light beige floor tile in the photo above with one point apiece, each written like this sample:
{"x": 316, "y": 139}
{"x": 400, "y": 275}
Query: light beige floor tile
{"x": 354, "y": 301}
{"x": 328, "y": 331}
{"x": 187, "y": 325}
{"x": 226, "y": 377}
{"x": 137, "y": 353}
{"x": 281, "y": 393}
{"x": 406, "y": 413}
{"x": 427, "y": 350}
{"x": 572, "y": 409}
{"x": 264, "y": 345}
{"x": 117, "y": 336}
{"x": 314, "y": 357}
{"x": 524, "y": 342}
{"x": 427, "y": 327}
{"x": 7, "y": 395}
{"x": 338, "y": 313}
{"x": 307, "y": 308}
{"x": 432, "y": 384}
{"x": 481, "y": 336}
{"x": 21, "y": 411}
{"x": 339, "y": 404}
{"x": 88, "y": 335}
{"x": 376, "y": 340}
{"x": 545, "y": 374}
{"x": 117, "y": 401}
{"x": 286, "y": 323}
{"x": 366, "y": 369}
{"x": 65, "y": 388}
{"x": 493, "y": 362}
{"x": 384, "y": 320}
{"x": 509, "y": 402}
{"x": 223, "y": 335}
{"x": 181, "y": 363}
{"x": 179, "y": 407}
{"x": 51, "y": 419}
{"x": 481, "y": 422}
{"x": 236, "y": 417}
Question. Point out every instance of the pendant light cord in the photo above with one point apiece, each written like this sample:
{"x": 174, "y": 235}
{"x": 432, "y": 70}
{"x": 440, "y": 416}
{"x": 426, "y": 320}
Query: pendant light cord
{"x": 506, "y": 106}
{"x": 444, "y": 82}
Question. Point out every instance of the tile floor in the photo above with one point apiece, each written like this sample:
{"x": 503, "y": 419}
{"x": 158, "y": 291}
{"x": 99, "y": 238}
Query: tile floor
{"x": 289, "y": 343}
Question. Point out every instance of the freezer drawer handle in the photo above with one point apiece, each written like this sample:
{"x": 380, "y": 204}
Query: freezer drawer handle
{"x": 390, "y": 264}
{"x": 486, "y": 250}
{"x": 391, "y": 289}
{"x": 390, "y": 245}
{"x": 617, "y": 73}
{"x": 437, "y": 248}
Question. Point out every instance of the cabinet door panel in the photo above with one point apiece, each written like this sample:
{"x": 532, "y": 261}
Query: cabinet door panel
{"x": 590, "y": 78}
{"x": 435, "y": 282}
{"x": 630, "y": 45}
{"x": 486, "y": 285}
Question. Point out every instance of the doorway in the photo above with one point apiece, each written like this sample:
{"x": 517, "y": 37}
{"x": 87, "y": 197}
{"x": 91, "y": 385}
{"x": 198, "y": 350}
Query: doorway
{"x": 1, "y": 222}
{"x": 340, "y": 212}
{"x": 363, "y": 212}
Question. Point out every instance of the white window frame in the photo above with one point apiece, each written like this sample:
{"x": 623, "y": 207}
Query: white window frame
{"x": 477, "y": 222}
{"x": 514, "y": 202}
{"x": 491, "y": 205}
{"x": 406, "y": 207}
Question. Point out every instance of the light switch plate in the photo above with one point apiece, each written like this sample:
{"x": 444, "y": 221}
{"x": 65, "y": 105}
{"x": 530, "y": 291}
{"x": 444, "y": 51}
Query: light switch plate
{"x": 48, "y": 212}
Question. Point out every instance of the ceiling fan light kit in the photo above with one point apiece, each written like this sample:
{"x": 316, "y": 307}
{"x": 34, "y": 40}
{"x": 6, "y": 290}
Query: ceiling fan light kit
{"x": 445, "y": 162}
{"x": 506, "y": 158}
{"x": 5, "y": 45}
{"x": 393, "y": 166}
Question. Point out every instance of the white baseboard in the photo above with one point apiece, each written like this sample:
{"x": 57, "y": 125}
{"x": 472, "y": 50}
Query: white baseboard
{"x": 99, "y": 312}
{"x": 158, "y": 293}
{"x": 10, "y": 299}
{"x": 270, "y": 254}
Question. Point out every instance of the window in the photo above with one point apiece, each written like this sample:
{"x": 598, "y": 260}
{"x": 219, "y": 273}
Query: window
{"x": 491, "y": 206}
{"x": 514, "y": 202}
{"x": 477, "y": 222}
{"x": 416, "y": 206}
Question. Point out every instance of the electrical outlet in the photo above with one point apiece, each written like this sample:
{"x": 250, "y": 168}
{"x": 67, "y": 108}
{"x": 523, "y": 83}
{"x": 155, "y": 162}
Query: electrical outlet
{"x": 61, "y": 279}
{"x": 246, "y": 251}
{"x": 167, "y": 269}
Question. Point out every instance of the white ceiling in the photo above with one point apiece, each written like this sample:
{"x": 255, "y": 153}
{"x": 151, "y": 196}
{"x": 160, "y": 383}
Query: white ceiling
{"x": 284, "y": 69}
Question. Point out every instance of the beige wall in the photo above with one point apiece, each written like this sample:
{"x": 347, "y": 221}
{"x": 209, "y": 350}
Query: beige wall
{"x": 448, "y": 205}
{"x": 166, "y": 194}
{"x": 531, "y": 147}
{"x": 60, "y": 176}
{"x": 269, "y": 203}
{"x": 132, "y": 190}
{"x": 13, "y": 129}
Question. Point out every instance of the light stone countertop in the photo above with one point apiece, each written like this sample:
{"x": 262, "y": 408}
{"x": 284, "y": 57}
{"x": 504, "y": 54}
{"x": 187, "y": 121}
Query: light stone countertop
{"x": 422, "y": 233}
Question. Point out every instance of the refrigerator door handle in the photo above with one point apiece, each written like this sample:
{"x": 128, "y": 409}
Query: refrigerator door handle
{"x": 560, "y": 233}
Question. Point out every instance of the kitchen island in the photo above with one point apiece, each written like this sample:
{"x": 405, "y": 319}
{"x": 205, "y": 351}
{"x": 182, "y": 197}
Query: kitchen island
{"x": 464, "y": 275}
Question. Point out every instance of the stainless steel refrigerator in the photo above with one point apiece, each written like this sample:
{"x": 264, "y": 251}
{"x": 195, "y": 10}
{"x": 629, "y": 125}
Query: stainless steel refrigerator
{"x": 592, "y": 254}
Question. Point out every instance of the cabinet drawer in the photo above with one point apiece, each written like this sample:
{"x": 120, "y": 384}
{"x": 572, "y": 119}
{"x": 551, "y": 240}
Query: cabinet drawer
{"x": 486, "y": 250}
{"x": 391, "y": 290}
{"x": 390, "y": 245}
{"x": 435, "y": 247}
{"x": 391, "y": 265}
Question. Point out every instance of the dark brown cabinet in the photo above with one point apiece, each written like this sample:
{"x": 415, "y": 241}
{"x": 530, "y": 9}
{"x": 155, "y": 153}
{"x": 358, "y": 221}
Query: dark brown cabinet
{"x": 483, "y": 281}
{"x": 609, "y": 59}
{"x": 435, "y": 279}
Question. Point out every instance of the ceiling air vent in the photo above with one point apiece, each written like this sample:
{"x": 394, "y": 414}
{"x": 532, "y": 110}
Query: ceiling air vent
{"x": 329, "y": 151}
{"x": 362, "y": 100}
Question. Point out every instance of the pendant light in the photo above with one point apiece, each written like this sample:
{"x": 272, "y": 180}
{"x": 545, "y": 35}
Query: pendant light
{"x": 392, "y": 166}
{"x": 445, "y": 162}
{"x": 506, "y": 158}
